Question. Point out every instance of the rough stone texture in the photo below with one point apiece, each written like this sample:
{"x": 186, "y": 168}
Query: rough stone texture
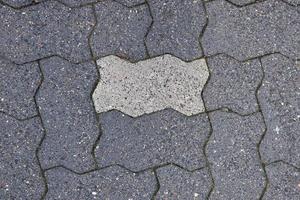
{"x": 293, "y": 2}
{"x": 151, "y": 140}
{"x": 176, "y": 28}
{"x": 150, "y": 85}
{"x": 255, "y": 30}
{"x": 45, "y": 29}
{"x": 18, "y": 85}
{"x": 176, "y": 183}
{"x": 232, "y": 84}
{"x": 17, "y": 3}
{"x": 279, "y": 99}
{"x": 113, "y": 183}
{"x": 241, "y": 2}
{"x": 284, "y": 182}
{"x": 20, "y": 175}
{"x": 232, "y": 153}
{"x": 67, "y": 112}
{"x": 76, "y": 3}
{"x": 120, "y": 30}
{"x": 130, "y": 3}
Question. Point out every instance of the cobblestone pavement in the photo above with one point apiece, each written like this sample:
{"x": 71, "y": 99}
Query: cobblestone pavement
{"x": 150, "y": 99}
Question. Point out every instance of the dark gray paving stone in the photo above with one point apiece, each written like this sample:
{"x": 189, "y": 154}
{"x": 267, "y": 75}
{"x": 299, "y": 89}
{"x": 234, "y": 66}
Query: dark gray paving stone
{"x": 113, "y": 183}
{"x": 18, "y": 3}
{"x": 242, "y": 2}
{"x": 68, "y": 114}
{"x": 177, "y": 183}
{"x": 293, "y": 2}
{"x": 130, "y": 3}
{"x": 232, "y": 84}
{"x": 18, "y": 84}
{"x": 151, "y": 140}
{"x": 284, "y": 182}
{"x": 20, "y": 175}
{"x": 251, "y": 31}
{"x": 76, "y": 3}
{"x": 45, "y": 29}
{"x": 120, "y": 30}
{"x": 279, "y": 99}
{"x": 176, "y": 28}
{"x": 232, "y": 153}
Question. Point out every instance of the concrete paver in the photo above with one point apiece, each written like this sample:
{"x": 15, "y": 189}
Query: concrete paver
{"x": 18, "y": 84}
{"x": 20, "y": 175}
{"x": 109, "y": 183}
{"x": 67, "y": 112}
{"x": 152, "y": 140}
{"x": 176, "y": 28}
{"x": 150, "y": 85}
{"x": 279, "y": 98}
{"x": 232, "y": 153}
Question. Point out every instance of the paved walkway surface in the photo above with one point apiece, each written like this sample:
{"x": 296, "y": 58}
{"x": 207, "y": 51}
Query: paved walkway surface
{"x": 150, "y": 99}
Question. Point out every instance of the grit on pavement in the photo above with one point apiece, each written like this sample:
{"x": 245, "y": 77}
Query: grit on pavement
{"x": 150, "y": 99}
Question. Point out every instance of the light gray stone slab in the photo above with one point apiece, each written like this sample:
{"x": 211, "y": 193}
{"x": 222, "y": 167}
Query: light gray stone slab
{"x": 279, "y": 98}
{"x": 233, "y": 155}
{"x": 45, "y": 29}
{"x": 232, "y": 84}
{"x": 20, "y": 175}
{"x": 68, "y": 114}
{"x": 18, "y": 84}
{"x": 255, "y": 30}
{"x": 152, "y": 140}
{"x": 284, "y": 182}
{"x": 120, "y": 30}
{"x": 242, "y": 2}
{"x": 150, "y": 85}
{"x": 176, "y": 183}
{"x": 113, "y": 183}
{"x": 176, "y": 28}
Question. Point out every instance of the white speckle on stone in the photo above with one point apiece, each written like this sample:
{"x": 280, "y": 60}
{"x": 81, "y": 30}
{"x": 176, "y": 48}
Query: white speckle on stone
{"x": 94, "y": 193}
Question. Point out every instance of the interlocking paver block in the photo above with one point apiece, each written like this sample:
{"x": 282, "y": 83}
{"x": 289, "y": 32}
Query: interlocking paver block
{"x": 150, "y": 85}
{"x": 251, "y": 31}
{"x": 18, "y": 84}
{"x": 151, "y": 140}
{"x": 20, "y": 175}
{"x": 176, "y": 28}
{"x": 45, "y": 29}
{"x": 284, "y": 182}
{"x": 232, "y": 153}
{"x": 279, "y": 99}
{"x": 120, "y": 30}
{"x": 232, "y": 84}
{"x": 242, "y": 2}
{"x": 67, "y": 112}
{"x": 177, "y": 183}
{"x": 113, "y": 183}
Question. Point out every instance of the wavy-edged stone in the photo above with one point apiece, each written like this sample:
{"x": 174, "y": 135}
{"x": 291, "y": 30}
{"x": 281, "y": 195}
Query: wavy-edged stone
{"x": 18, "y": 84}
{"x": 18, "y": 3}
{"x": 176, "y": 28}
{"x": 279, "y": 99}
{"x": 232, "y": 84}
{"x": 251, "y": 31}
{"x": 20, "y": 174}
{"x": 110, "y": 183}
{"x": 152, "y": 140}
{"x": 48, "y": 28}
{"x": 150, "y": 85}
{"x": 177, "y": 183}
{"x": 232, "y": 153}
{"x": 68, "y": 114}
{"x": 284, "y": 182}
{"x": 130, "y": 3}
{"x": 120, "y": 30}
